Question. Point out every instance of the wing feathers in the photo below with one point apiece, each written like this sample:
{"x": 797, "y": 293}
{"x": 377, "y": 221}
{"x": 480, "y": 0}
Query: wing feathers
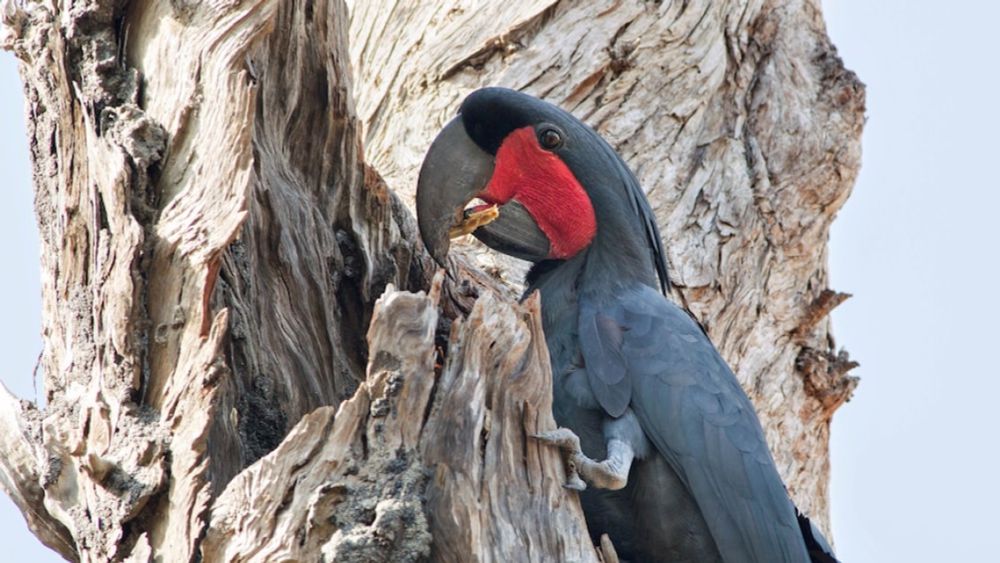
{"x": 601, "y": 343}
{"x": 641, "y": 349}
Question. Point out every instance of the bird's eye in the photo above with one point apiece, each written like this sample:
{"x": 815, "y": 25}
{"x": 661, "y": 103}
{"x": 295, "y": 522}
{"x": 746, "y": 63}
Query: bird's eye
{"x": 550, "y": 138}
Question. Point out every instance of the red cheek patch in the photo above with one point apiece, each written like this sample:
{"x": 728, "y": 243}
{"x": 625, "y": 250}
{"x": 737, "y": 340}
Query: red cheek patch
{"x": 547, "y": 188}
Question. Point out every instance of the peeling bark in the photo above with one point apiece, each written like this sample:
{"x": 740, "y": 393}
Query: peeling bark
{"x": 222, "y": 192}
{"x": 371, "y": 482}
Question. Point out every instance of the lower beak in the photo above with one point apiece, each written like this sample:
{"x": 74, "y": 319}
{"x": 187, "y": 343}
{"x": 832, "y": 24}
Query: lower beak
{"x": 514, "y": 232}
{"x": 454, "y": 172}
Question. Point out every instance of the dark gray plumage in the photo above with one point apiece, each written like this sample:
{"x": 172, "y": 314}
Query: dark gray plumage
{"x": 709, "y": 458}
{"x": 633, "y": 369}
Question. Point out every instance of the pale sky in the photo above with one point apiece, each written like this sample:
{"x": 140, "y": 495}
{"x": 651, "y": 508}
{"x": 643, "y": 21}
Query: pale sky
{"x": 915, "y": 469}
{"x": 915, "y": 462}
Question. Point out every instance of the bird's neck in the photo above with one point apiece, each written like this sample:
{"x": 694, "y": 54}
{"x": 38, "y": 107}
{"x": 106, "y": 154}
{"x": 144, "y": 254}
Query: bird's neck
{"x": 603, "y": 269}
{"x": 614, "y": 262}
{"x": 599, "y": 273}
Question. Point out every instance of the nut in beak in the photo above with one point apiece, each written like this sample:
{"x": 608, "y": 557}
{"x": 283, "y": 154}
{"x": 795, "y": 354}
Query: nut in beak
{"x": 472, "y": 219}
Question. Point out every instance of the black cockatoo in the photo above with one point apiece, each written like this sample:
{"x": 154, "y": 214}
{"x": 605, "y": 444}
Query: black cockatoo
{"x": 650, "y": 415}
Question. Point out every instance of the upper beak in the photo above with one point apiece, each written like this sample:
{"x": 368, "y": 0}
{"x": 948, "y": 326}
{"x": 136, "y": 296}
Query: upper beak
{"x": 454, "y": 172}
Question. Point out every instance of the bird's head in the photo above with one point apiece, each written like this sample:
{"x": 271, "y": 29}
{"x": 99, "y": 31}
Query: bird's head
{"x": 550, "y": 186}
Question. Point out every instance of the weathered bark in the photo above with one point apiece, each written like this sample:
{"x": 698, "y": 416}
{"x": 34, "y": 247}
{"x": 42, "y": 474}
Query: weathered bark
{"x": 489, "y": 491}
{"x": 216, "y": 230}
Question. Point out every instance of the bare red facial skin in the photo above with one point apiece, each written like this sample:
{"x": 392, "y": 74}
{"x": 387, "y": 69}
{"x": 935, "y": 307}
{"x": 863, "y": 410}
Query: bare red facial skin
{"x": 547, "y": 188}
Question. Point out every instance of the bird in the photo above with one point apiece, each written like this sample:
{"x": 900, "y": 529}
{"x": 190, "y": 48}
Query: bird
{"x": 662, "y": 443}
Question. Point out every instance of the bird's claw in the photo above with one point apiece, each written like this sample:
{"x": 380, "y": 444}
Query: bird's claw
{"x": 574, "y": 482}
{"x": 563, "y": 438}
{"x": 612, "y": 473}
{"x": 567, "y": 441}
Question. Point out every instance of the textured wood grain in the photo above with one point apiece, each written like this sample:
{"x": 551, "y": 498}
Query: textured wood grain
{"x": 496, "y": 494}
{"x": 348, "y": 485}
{"x": 19, "y": 428}
{"x": 213, "y": 196}
{"x": 353, "y": 485}
{"x": 212, "y": 244}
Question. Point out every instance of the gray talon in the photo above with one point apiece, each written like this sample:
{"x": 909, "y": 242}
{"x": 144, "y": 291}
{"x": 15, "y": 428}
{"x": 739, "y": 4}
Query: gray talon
{"x": 563, "y": 438}
{"x": 569, "y": 443}
{"x": 611, "y": 473}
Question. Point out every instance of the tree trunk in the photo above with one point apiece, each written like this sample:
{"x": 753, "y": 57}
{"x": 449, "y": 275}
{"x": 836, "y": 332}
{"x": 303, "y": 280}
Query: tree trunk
{"x": 224, "y": 192}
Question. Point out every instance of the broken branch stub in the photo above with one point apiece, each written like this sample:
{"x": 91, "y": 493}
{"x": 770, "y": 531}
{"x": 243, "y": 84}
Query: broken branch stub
{"x": 495, "y": 493}
{"x": 389, "y": 476}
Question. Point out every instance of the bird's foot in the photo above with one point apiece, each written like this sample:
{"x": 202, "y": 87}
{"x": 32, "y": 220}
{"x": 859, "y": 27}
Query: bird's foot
{"x": 611, "y": 473}
{"x": 569, "y": 443}
{"x": 562, "y": 438}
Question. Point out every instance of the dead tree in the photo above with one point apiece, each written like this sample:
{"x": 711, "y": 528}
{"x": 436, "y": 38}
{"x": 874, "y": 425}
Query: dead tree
{"x": 223, "y": 191}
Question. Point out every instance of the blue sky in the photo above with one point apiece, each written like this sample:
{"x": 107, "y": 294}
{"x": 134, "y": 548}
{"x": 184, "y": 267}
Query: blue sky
{"x": 914, "y": 462}
{"x": 20, "y": 331}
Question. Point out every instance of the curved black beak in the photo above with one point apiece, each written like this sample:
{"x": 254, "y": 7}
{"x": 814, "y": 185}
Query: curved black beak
{"x": 454, "y": 171}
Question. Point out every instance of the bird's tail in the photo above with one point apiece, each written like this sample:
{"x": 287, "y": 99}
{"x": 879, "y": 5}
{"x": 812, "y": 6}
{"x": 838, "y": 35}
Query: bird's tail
{"x": 819, "y": 549}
